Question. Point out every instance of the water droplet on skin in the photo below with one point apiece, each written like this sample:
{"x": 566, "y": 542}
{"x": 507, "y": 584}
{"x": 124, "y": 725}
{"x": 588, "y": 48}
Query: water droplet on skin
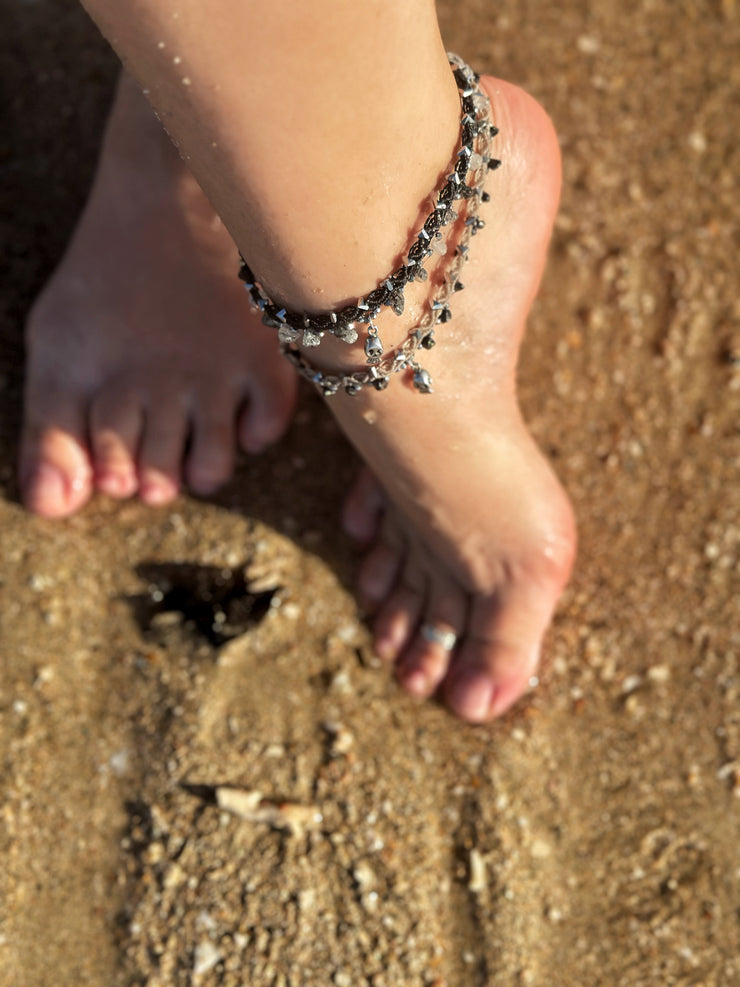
{"x": 160, "y": 44}
{"x": 186, "y": 81}
{"x": 176, "y": 60}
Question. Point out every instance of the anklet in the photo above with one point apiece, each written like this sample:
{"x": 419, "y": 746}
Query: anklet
{"x": 465, "y": 182}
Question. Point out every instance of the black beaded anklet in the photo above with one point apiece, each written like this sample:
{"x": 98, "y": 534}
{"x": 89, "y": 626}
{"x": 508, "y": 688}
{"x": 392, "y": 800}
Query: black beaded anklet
{"x": 465, "y": 182}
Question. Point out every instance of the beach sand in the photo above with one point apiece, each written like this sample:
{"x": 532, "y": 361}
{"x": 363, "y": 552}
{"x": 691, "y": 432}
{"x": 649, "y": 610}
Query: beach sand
{"x": 264, "y": 806}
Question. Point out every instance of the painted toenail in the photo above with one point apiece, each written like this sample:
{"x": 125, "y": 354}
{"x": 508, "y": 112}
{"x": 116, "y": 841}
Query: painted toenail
{"x": 471, "y": 693}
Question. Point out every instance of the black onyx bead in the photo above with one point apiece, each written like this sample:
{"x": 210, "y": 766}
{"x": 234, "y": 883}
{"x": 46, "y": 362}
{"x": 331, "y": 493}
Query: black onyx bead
{"x": 246, "y": 273}
{"x": 322, "y": 323}
{"x": 462, "y": 82}
{"x": 432, "y": 223}
{"x": 428, "y": 341}
{"x": 458, "y": 286}
{"x": 446, "y": 195}
{"x": 485, "y": 197}
{"x": 350, "y": 313}
{"x": 377, "y": 297}
{"x": 445, "y": 315}
{"x": 494, "y": 163}
{"x": 380, "y": 383}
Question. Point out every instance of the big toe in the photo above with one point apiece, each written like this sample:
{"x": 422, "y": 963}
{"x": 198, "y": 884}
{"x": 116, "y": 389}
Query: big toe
{"x": 55, "y": 470}
{"x": 487, "y": 677}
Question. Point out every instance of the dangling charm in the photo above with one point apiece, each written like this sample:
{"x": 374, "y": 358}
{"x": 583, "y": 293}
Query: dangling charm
{"x": 373, "y": 346}
{"x": 422, "y": 381}
{"x": 311, "y": 338}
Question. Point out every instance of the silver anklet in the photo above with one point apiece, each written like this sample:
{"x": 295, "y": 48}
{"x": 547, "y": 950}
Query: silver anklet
{"x": 465, "y": 182}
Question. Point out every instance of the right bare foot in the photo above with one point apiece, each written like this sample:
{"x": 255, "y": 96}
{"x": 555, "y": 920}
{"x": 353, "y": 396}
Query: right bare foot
{"x": 145, "y": 364}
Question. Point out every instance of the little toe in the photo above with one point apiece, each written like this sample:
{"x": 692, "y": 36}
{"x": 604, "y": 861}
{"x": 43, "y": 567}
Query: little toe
{"x": 363, "y": 507}
{"x": 116, "y": 420}
{"x": 399, "y": 615}
{"x": 210, "y": 460}
{"x": 55, "y": 470}
{"x": 161, "y": 452}
{"x": 425, "y": 662}
{"x": 381, "y": 566}
{"x": 378, "y": 573}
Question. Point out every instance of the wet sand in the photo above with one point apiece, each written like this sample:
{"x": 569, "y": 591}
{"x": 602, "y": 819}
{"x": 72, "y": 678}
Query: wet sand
{"x": 591, "y": 836}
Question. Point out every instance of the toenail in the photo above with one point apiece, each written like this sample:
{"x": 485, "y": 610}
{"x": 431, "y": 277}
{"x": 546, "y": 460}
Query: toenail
{"x": 117, "y": 484}
{"x": 415, "y": 682}
{"x": 385, "y": 649}
{"x": 47, "y": 479}
{"x": 470, "y": 694}
{"x": 154, "y": 494}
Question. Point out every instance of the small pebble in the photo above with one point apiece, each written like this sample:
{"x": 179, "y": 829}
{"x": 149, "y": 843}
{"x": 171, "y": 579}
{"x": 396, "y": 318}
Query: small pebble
{"x": 478, "y": 873}
{"x": 120, "y": 763}
{"x": 697, "y": 142}
{"x": 364, "y": 874}
{"x": 587, "y": 44}
{"x": 205, "y": 958}
{"x": 659, "y": 673}
{"x": 541, "y": 850}
{"x": 631, "y": 683}
{"x": 341, "y": 684}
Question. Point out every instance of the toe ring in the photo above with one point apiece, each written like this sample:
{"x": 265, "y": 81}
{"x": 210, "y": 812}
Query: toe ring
{"x": 446, "y": 639}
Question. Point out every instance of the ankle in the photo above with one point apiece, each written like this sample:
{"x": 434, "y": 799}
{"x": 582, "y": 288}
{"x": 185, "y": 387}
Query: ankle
{"x": 417, "y": 288}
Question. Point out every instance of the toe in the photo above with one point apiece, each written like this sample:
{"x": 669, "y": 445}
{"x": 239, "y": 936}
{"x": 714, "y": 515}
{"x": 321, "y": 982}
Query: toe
{"x": 161, "y": 451}
{"x": 487, "y": 677}
{"x": 268, "y": 410}
{"x": 55, "y": 469}
{"x": 425, "y": 662}
{"x": 363, "y": 507}
{"x": 210, "y": 461}
{"x": 381, "y": 567}
{"x": 398, "y": 618}
{"x": 116, "y": 420}
{"x": 501, "y": 651}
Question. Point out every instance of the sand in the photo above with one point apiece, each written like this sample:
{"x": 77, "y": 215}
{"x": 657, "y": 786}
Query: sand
{"x": 264, "y": 806}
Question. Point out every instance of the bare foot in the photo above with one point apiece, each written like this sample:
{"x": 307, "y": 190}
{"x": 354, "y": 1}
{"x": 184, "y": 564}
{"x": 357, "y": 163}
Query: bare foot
{"x": 473, "y": 533}
{"x": 145, "y": 365}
